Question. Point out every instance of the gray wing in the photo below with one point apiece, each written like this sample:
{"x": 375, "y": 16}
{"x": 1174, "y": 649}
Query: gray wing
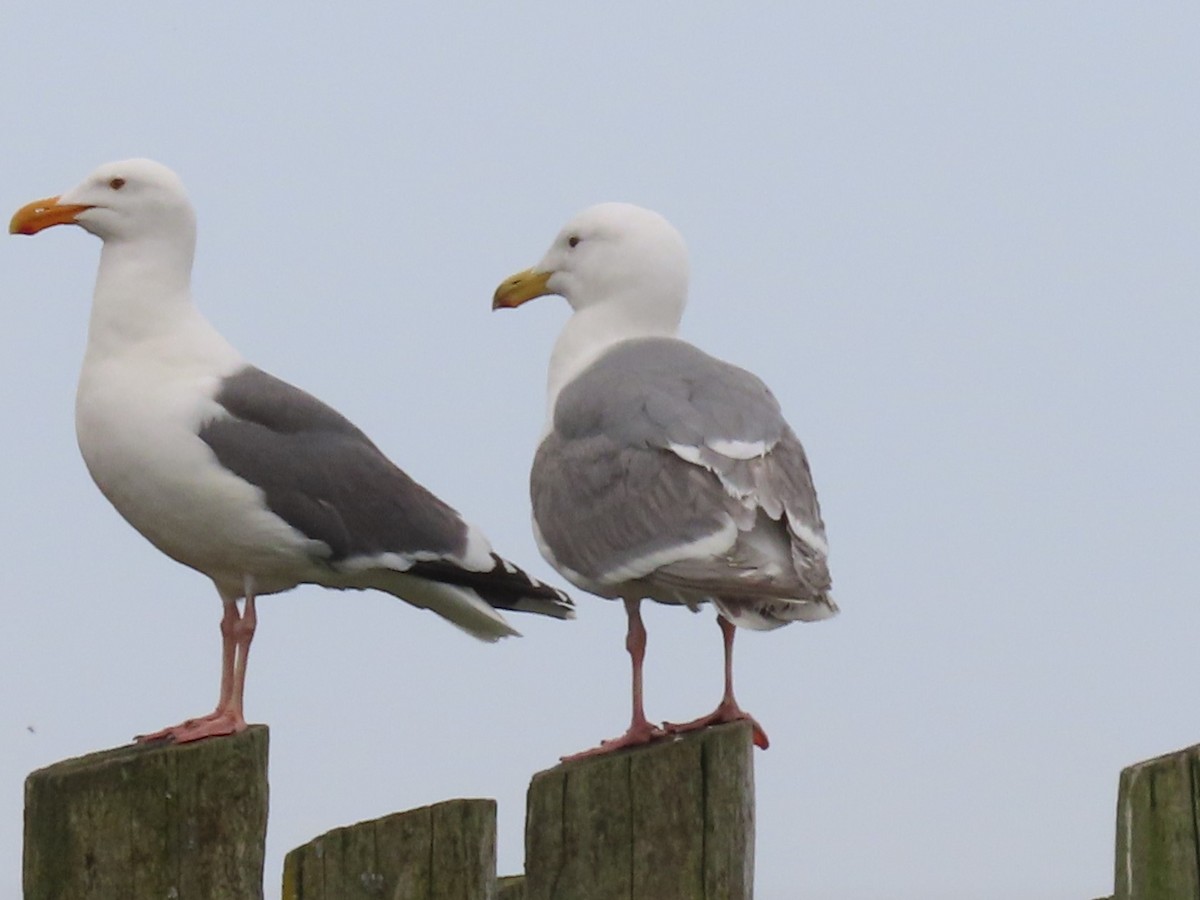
{"x": 325, "y": 478}
{"x": 667, "y": 465}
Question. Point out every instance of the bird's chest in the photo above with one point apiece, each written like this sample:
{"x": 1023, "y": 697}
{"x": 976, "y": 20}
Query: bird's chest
{"x": 137, "y": 427}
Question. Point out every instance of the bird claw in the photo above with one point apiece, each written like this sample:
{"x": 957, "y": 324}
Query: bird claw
{"x": 216, "y": 724}
{"x": 638, "y": 735}
{"x": 725, "y": 713}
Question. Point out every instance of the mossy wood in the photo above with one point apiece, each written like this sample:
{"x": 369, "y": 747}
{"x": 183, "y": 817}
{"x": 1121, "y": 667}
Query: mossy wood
{"x": 1158, "y": 828}
{"x": 673, "y": 821}
{"x": 511, "y": 887}
{"x": 442, "y": 852}
{"x": 186, "y": 822}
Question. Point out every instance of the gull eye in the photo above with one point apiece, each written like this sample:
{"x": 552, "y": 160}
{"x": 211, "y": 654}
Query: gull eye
{"x": 117, "y": 183}
{"x": 573, "y": 240}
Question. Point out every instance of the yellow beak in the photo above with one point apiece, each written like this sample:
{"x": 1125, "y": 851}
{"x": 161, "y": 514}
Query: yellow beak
{"x": 33, "y": 217}
{"x": 521, "y": 288}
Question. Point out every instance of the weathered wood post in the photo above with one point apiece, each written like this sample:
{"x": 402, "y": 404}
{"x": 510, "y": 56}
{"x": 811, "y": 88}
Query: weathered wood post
{"x": 140, "y": 822}
{"x": 673, "y": 821}
{"x": 442, "y": 852}
{"x": 511, "y": 887}
{"x": 1158, "y": 835}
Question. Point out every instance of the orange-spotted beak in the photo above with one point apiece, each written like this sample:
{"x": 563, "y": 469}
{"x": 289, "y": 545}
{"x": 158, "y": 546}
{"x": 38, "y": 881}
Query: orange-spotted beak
{"x": 520, "y": 288}
{"x": 33, "y": 217}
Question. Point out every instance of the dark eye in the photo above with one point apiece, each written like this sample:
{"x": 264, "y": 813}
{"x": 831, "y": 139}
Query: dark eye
{"x": 573, "y": 240}
{"x": 117, "y": 183}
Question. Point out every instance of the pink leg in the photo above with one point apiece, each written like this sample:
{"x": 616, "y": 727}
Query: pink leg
{"x": 640, "y": 730}
{"x": 244, "y": 634}
{"x": 229, "y": 623}
{"x": 237, "y": 631}
{"x": 727, "y": 710}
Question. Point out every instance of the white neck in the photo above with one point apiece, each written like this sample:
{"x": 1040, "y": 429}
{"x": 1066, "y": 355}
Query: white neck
{"x": 594, "y": 329}
{"x": 142, "y": 291}
{"x": 142, "y": 306}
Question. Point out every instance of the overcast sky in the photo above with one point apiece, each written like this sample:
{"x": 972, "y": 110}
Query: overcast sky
{"x": 960, "y": 241}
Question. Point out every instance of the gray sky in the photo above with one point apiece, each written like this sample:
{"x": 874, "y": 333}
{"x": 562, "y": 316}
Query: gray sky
{"x": 959, "y": 240}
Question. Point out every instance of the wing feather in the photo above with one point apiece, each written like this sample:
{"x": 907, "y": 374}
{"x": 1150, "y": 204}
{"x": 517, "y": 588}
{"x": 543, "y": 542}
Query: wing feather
{"x": 669, "y": 468}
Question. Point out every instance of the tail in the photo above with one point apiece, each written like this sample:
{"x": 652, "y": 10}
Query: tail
{"x": 760, "y": 614}
{"x": 464, "y": 597}
{"x": 504, "y": 586}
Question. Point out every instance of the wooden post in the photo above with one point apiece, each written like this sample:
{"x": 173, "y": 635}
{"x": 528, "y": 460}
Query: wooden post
{"x": 511, "y": 887}
{"x": 185, "y": 822}
{"x": 673, "y": 821}
{"x": 1158, "y": 836}
{"x": 442, "y": 852}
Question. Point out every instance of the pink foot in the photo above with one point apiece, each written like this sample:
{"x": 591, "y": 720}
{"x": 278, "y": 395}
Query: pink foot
{"x": 637, "y": 735}
{"x": 728, "y": 711}
{"x": 215, "y": 724}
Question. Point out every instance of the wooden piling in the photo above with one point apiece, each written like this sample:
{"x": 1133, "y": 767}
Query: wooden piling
{"x": 1158, "y": 828}
{"x": 510, "y": 887}
{"x": 442, "y": 852}
{"x": 184, "y": 822}
{"x": 673, "y": 821}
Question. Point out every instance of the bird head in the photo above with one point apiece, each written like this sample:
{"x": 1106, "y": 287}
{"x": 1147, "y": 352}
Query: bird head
{"x": 607, "y": 252}
{"x": 124, "y": 200}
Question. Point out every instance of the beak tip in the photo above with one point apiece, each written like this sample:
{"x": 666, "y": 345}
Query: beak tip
{"x": 41, "y": 214}
{"x": 520, "y": 288}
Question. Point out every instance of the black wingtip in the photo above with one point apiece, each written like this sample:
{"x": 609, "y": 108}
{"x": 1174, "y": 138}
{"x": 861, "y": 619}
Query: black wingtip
{"x": 505, "y": 586}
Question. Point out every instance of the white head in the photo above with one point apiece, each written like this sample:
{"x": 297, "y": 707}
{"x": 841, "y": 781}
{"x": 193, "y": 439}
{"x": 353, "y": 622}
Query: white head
{"x": 132, "y": 200}
{"x": 612, "y": 252}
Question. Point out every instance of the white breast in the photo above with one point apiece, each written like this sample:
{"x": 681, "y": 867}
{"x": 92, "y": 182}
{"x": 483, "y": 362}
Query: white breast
{"x": 137, "y": 415}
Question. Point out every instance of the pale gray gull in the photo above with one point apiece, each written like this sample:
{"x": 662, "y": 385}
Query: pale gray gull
{"x": 662, "y": 472}
{"x": 241, "y": 476}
